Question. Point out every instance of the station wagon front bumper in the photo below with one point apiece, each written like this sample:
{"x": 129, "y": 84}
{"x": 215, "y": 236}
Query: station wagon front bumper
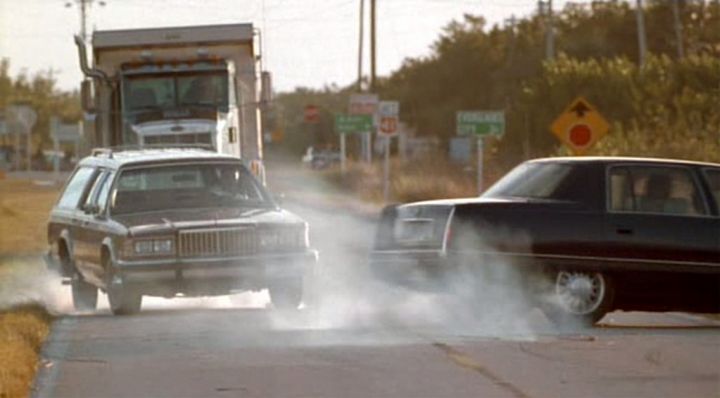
{"x": 214, "y": 275}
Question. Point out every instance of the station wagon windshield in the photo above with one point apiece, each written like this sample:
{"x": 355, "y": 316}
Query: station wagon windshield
{"x": 185, "y": 187}
{"x": 531, "y": 180}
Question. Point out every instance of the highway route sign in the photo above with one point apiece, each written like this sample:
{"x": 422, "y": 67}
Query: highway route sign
{"x": 348, "y": 124}
{"x": 481, "y": 123}
{"x": 389, "y": 118}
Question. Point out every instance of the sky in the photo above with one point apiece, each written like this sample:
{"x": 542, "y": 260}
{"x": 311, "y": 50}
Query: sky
{"x": 307, "y": 43}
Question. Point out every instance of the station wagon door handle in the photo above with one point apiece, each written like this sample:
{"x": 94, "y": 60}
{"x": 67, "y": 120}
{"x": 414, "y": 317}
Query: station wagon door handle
{"x": 624, "y": 231}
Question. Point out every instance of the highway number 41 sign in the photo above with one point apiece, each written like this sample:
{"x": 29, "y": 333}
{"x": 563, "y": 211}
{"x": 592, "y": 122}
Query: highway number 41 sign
{"x": 580, "y": 126}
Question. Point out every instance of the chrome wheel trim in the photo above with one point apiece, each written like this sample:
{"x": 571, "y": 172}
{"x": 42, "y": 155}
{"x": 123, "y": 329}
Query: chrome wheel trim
{"x": 580, "y": 293}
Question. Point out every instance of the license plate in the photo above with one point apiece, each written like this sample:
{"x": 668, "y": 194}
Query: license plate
{"x": 415, "y": 230}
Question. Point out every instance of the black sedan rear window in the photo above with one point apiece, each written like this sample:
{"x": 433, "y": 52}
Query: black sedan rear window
{"x": 533, "y": 180}
{"x": 185, "y": 186}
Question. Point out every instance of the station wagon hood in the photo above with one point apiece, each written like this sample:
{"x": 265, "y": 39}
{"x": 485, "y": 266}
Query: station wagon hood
{"x": 159, "y": 222}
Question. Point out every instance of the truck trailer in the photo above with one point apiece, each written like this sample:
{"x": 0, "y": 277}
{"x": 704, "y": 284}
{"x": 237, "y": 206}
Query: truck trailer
{"x": 196, "y": 85}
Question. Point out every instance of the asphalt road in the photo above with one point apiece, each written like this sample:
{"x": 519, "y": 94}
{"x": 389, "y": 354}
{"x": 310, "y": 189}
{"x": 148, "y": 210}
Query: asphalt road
{"x": 362, "y": 338}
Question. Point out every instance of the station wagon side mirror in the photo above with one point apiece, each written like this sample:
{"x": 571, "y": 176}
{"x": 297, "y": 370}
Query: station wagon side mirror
{"x": 279, "y": 198}
{"x": 91, "y": 208}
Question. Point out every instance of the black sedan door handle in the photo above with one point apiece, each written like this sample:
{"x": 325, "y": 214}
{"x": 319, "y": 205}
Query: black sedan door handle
{"x": 624, "y": 231}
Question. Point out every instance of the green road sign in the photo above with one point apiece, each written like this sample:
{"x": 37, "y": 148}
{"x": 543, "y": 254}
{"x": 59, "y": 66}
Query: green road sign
{"x": 480, "y": 123}
{"x": 346, "y": 124}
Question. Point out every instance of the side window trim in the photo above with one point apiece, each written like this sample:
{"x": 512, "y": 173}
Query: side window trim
{"x": 91, "y": 195}
{"x": 705, "y": 171}
{"x": 688, "y": 170}
{"x": 90, "y": 187}
{"x": 108, "y": 182}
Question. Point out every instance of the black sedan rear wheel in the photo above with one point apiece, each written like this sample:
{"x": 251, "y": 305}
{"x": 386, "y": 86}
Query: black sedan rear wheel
{"x": 580, "y": 297}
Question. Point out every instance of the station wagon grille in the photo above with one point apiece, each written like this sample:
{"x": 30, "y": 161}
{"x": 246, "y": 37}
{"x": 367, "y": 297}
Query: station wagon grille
{"x": 218, "y": 242}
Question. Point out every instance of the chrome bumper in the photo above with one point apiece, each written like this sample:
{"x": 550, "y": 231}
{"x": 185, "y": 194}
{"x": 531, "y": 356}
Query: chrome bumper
{"x": 417, "y": 269}
{"x": 256, "y": 269}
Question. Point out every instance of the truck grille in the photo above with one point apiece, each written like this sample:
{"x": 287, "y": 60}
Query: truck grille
{"x": 218, "y": 242}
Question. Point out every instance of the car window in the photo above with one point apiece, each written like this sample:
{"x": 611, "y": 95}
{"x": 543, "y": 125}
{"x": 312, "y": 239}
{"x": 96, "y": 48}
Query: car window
{"x": 713, "y": 179}
{"x": 655, "y": 189}
{"x": 532, "y": 180}
{"x": 76, "y": 187}
{"x": 185, "y": 186}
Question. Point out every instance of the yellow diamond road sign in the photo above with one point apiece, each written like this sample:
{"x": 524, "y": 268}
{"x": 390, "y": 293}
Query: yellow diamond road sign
{"x": 580, "y": 126}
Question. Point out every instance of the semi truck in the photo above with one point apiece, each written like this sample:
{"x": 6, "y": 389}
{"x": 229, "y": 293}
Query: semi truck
{"x": 195, "y": 86}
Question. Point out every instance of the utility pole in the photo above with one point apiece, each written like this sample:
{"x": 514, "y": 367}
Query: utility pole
{"x": 512, "y": 22}
{"x": 84, "y": 6}
{"x": 372, "y": 46}
{"x": 642, "y": 46}
{"x": 360, "y": 45}
{"x": 550, "y": 33}
{"x": 678, "y": 29}
{"x": 373, "y": 76}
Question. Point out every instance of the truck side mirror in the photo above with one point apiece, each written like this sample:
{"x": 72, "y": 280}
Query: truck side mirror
{"x": 266, "y": 89}
{"x": 86, "y": 96}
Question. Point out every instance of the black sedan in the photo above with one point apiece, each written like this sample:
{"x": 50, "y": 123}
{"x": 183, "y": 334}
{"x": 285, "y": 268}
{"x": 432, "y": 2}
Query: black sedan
{"x": 585, "y": 235}
{"x": 173, "y": 222}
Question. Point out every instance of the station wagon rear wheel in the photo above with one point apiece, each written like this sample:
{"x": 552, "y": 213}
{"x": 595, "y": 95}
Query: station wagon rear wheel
{"x": 580, "y": 296}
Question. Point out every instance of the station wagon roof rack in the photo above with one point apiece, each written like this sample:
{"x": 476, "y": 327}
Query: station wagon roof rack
{"x": 109, "y": 151}
{"x": 102, "y": 151}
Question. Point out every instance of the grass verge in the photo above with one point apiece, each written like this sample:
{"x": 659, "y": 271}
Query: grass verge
{"x": 24, "y": 208}
{"x": 22, "y": 332}
{"x": 426, "y": 178}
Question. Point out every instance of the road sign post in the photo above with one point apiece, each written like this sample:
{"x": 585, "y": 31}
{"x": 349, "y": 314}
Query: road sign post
{"x": 350, "y": 124}
{"x": 388, "y": 112}
{"x": 21, "y": 119}
{"x": 365, "y": 104}
{"x": 481, "y": 124}
{"x": 579, "y": 126}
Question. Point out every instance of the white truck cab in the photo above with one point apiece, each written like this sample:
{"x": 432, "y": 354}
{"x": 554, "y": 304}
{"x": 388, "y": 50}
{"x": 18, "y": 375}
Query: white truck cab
{"x": 181, "y": 85}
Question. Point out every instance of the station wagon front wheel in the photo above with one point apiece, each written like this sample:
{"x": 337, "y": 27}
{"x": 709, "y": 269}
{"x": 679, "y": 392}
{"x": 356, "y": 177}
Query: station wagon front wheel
{"x": 286, "y": 295}
{"x": 122, "y": 300}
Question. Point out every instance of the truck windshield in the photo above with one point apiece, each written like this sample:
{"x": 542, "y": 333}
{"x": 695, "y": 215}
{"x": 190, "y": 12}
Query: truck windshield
{"x": 153, "y": 92}
{"x": 190, "y": 186}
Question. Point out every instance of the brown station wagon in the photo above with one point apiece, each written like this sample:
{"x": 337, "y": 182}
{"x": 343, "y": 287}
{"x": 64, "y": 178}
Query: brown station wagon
{"x": 173, "y": 222}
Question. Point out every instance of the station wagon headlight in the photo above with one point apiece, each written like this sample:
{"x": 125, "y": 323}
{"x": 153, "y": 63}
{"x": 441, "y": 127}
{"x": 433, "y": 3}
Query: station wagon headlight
{"x": 284, "y": 238}
{"x": 144, "y": 247}
{"x": 163, "y": 246}
{"x": 153, "y": 246}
